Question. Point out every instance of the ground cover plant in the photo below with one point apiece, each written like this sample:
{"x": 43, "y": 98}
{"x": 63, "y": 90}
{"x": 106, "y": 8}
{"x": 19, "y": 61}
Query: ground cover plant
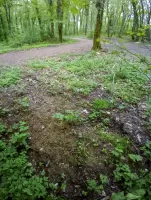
{"x": 73, "y": 104}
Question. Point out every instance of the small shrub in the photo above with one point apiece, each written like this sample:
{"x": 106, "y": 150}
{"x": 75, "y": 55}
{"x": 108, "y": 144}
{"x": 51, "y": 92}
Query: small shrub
{"x": 69, "y": 116}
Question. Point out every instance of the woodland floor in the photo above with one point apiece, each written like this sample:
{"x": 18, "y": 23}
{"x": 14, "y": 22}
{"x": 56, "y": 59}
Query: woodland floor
{"x": 46, "y": 88}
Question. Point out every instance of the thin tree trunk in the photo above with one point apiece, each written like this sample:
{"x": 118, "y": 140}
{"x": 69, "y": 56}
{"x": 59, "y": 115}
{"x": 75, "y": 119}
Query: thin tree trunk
{"x": 99, "y": 20}
{"x": 135, "y": 22}
{"x": 60, "y": 19}
{"x": 52, "y": 32}
{"x": 87, "y": 18}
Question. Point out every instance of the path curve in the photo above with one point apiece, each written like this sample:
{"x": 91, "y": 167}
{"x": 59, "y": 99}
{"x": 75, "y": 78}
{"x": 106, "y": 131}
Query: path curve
{"x": 21, "y": 57}
{"x": 81, "y": 46}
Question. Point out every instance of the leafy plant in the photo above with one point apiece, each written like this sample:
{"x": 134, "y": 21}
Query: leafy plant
{"x": 136, "y": 184}
{"x": 18, "y": 179}
{"x": 24, "y": 102}
{"x": 2, "y": 128}
{"x": 100, "y": 104}
{"x": 3, "y": 111}
{"x": 10, "y": 76}
{"x": 69, "y": 116}
{"x": 93, "y": 186}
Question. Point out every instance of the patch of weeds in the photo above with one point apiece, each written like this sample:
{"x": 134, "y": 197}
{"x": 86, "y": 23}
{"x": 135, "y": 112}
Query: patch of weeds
{"x": 97, "y": 187}
{"x": 98, "y": 107}
{"x": 82, "y": 149}
{"x": 69, "y": 116}
{"x": 24, "y": 102}
{"x": 55, "y": 88}
{"x": 84, "y": 85}
{"x": 114, "y": 139}
{"x": 3, "y": 112}
{"x": 18, "y": 179}
{"x": 134, "y": 181}
{"x": 37, "y": 64}
{"x": 10, "y": 76}
{"x": 101, "y": 104}
{"x": 2, "y": 128}
{"x": 132, "y": 88}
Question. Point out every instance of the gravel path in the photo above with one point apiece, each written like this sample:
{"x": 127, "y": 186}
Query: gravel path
{"x": 82, "y": 45}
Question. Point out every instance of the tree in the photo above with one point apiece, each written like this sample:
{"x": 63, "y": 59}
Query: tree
{"x": 60, "y": 19}
{"x": 135, "y": 21}
{"x": 98, "y": 26}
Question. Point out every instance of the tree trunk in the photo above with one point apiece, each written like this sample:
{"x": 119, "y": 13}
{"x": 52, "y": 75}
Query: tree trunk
{"x": 98, "y": 26}
{"x": 52, "y": 32}
{"x": 135, "y": 22}
{"x": 7, "y": 7}
{"x": 87, "y": 18}
{"x": 60, "y": 19}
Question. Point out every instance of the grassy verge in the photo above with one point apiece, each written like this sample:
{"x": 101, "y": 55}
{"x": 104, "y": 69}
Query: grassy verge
{"x": 7, "y": 47}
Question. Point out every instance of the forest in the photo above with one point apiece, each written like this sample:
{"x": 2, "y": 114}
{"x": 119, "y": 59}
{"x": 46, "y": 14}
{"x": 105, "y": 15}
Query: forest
{"x": 75, "y": 99}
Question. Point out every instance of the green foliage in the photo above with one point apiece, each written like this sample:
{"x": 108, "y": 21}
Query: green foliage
{"x": 93, "y": 186}
{"x": 24, "y": 102}
{"x": 136, "y": 184}
{"x": 147, "y": 150}
{"x": 90, "y": 35}
{"x": 2, "y": 128}
{"x": 3, "y": 111}
{"x": 69, "y": 116}
{"x": 100, "y": 104}
{"x": 10, "y": 76}
{"x": 37, "y": 64}
{"x": 18, "y": 179}
{"x": 81, "y": 149}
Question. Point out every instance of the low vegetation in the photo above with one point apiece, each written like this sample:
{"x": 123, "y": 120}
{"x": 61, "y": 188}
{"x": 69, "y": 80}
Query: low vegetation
{"x": 83, "y": 91}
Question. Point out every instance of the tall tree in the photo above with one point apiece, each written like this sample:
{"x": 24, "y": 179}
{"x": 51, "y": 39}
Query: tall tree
{"x": 98, "y": 26}
{"x": 60, "y": 19}
{"x": 135, "y": 21}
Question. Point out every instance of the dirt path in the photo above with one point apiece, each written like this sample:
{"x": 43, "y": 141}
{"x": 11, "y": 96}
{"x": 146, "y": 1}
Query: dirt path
{"x": 82, "y": 45}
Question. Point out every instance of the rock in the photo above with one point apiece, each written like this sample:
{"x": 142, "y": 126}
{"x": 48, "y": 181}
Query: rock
{"x": 142, "y": 109}
{"x": 132, "y": 125}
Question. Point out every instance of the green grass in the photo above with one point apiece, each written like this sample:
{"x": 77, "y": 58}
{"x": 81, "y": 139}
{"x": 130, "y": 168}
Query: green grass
{"x": 113, "y": 139}
{"x": 83, "y": 73}
{"x": 10, "y": 76}
{"x": 10, "y": 46}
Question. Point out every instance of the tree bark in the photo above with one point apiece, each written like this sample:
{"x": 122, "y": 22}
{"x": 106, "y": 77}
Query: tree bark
{"x": 52, "y": 32}
{"x": 87, "y": 18}
{"x": 98, "y": 26}
{"x": 60, "y": 19}
{"x": 135, "y": 21}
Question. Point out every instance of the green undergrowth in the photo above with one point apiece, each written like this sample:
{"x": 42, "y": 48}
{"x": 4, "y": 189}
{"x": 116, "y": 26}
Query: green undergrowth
{"x": 18, "y": 179}
{"x": 10, "y": 76}
{"x": 84, "y": 73}
{"x": 12, "y": 46}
